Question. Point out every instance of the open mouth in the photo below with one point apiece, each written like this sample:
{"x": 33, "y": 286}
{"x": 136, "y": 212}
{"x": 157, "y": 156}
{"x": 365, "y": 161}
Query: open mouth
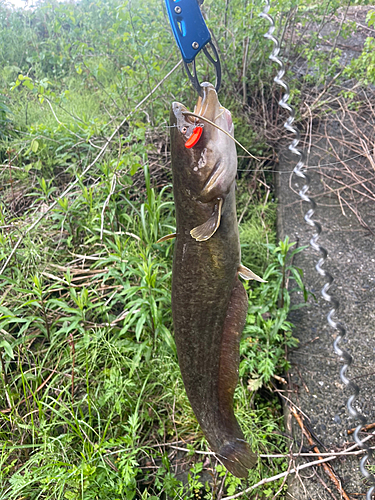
{"x": 208, "y": 105}
{"x": 209, "y": 110}
{"x": 181, "y": 110}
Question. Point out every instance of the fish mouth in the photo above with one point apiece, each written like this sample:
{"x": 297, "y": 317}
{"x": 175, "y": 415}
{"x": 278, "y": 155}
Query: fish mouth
{"x": 208, "y": 107}
{"x": 180, "y": 112}
{"x": 184, "y": 122}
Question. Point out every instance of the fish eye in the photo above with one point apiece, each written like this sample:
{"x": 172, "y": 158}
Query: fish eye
{"x": 183, "y": 130}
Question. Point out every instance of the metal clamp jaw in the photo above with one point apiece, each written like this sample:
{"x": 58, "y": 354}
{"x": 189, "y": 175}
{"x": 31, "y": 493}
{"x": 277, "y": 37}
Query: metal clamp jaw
{"x": 192, "y": 36}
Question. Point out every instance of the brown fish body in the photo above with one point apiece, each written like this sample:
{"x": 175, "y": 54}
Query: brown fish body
{"x": 209, "y": 303}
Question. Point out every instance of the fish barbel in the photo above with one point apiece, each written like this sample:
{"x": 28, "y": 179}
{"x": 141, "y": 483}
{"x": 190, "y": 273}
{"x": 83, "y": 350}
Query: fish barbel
{"x": 209, "y": 303}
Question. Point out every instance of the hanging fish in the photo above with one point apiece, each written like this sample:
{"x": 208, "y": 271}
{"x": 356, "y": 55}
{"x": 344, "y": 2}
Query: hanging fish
{"x": 209, "y": 303}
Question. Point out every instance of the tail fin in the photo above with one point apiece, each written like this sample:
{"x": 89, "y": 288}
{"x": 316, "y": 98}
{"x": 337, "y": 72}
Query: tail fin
{"x": 237, "y": 457}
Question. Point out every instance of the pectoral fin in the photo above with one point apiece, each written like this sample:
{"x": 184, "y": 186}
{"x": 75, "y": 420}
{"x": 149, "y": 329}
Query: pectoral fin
{"x": 167, "y": 237}
{"x": 208, "y": 228}
{"x": 246, "y": 274}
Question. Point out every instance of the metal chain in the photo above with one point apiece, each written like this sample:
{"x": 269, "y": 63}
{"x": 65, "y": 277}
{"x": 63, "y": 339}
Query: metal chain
{"x": 300, "y": 171}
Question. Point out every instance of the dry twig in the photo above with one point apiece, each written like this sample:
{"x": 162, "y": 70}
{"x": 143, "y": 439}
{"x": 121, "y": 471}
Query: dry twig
{"x": 327, "y": 467}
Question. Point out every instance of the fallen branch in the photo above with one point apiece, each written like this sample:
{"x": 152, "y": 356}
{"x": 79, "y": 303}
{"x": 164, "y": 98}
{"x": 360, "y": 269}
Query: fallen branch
{"x": 364, "y": 429}
{"x": 332, "y": 454}
{"x": 279, "y": 476}
{"x": 327, "y": 467}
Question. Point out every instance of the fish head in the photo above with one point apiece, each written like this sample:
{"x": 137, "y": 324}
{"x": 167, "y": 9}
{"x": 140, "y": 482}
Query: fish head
{"x": 207, "y": 169}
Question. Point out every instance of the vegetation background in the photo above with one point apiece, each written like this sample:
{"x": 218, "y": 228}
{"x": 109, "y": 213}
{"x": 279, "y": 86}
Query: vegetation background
{"x": 92, "y": 402}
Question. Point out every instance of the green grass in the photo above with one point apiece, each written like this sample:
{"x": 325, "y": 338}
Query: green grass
{"x": 90, "y": 389}
{"x": 82, "y": 103}
{"x": 258, "y": 231}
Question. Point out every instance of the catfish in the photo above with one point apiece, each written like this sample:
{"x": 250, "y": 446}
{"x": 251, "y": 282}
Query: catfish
{"x": 209, "y": 302}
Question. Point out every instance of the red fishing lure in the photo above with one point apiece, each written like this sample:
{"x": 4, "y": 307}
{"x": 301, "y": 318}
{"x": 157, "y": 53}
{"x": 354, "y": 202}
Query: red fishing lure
{"x": 194, "y": 138}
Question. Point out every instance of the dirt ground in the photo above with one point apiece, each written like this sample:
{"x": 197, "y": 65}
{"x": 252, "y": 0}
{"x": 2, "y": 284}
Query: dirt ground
{"x": 340, "y": 143}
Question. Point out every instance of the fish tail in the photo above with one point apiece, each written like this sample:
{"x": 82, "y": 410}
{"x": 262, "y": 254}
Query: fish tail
{"x": 237, "y": 457}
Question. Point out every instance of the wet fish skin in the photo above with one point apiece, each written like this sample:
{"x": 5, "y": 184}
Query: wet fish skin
{"x": 209, "y": 303}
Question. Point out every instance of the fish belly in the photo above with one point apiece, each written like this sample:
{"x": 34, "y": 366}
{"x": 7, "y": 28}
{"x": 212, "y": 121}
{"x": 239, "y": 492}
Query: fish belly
{"x": 234, "y": 452}
{"x": 209, "y": 313}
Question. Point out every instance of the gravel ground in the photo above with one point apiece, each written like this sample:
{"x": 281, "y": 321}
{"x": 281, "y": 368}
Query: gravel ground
{"x": 314, "y": 384}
